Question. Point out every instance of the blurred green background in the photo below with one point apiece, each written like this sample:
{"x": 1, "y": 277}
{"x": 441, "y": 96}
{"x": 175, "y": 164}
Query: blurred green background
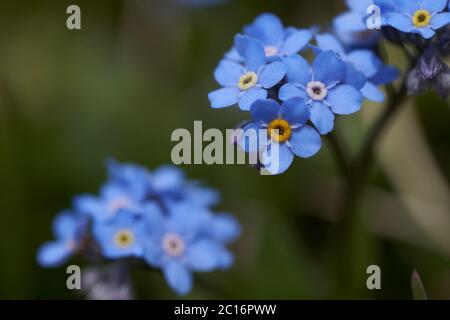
{"x": 139, "y": 69}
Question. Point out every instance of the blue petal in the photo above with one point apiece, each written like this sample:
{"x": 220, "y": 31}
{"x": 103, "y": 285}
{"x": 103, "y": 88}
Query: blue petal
{"x": 434, "y": 5}
{"x": 359, "y": 5}
{"x": 224, "y": 97}
{"x": 350, "y": 22}
{"x": 289, "y": 91}
{"x": 234, "y": 55}
{"x": 344, "y": 99}
{"x": 408, "y": 6}
{"x": 272, "y": 74}
{"x": 386, "y": 74}
{"x": 426, "y": 32}
{"x": 305, "y": 142}
{"x": 251, "y": 95}
{"x": 202, "y": 196}
{"x": 202, "y": 256}
{"x": 322, "y": 117}
{"x": 297, "y": 70}
{"x": 267, "y": 28}
{"x": 353, "y": 76}
{"x": 178, "y": 277}
{"x": 249, "y": 140}
{"x": 227, "y": 74}
{"x": 88, "y": 205}
{"x": 225, "y": 228}
{"x": 295, "y": 112}
{"x": 328, "y": 42}
{"x": 225, "y": 258}
{"x": 264, "y": 111}
{"x": 400, "y": 22}
{"x": 371, "y": 92}
{"x": 328, "y": 68}
{"x": 295, "y": 42}
{"x": 167, "y": 178}
{"x": 277, "y": 162}
{"x": 53, "y": 254}
{"x": 254, "y": 54}
{"x": 365, "y": 61}
{"x": 65, "y": 225}
{"x": 153, "y": 254}
{"x": 440, "y": 20}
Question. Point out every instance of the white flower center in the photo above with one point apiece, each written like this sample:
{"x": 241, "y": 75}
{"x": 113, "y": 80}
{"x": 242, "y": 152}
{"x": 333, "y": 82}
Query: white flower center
{"x": 248, "y": 80}
{"x": 270, "y": 51}
{"x": 117, "y": 204}
{"x": 173, "y": 244}
{"x": 317, "y": 90}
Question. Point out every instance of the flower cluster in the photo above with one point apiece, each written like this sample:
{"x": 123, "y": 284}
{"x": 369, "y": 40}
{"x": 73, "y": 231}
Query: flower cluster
{"x": 294, "y": 99}
{"x": 420, "y": 27}
{"x": 157, "y": 218}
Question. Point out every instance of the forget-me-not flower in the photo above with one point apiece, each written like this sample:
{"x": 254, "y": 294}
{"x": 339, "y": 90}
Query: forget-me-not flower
{"x": 321, "y": 85}
{"x": 287, "y": 130}
{"x": 365, "y": 61}
{"x": 419, "y": 16}
{"x": 165, "y": 184}
{"x": 351, "y": 26}
{"x": 122, "y": 236}
{"x": 69, "y": 230}
{"x": 277, "y": 40}
{"x": 181, "y": 242}
{"x": 244, "y": 84}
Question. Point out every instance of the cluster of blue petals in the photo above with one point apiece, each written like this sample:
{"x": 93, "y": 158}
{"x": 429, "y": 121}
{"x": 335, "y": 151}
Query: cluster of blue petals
{"x": 267, "y": 65}
{"x": 158, "y": 217}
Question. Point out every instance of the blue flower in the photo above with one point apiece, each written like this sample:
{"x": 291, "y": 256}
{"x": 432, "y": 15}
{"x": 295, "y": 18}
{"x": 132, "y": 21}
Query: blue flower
{"x": 187, "y": 239}
{"x": 165, "y": 184}
{"x": 287, "y": 132}
{"x": 365, "y": 61}
{"x": 69, "y": 230}
{"x": 244, "y": 85}
{"x": 419, "y": 16}
{"x": 351, "y": 26}
{"x": 277, "y": 40}
{"x": 322, "y": 87}
{"x": 122, "y": 236}
{"x": 113, "y": 198}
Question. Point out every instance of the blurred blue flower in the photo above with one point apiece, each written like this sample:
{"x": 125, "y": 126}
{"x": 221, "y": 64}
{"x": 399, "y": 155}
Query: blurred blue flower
{"x": 164, "y": 184}
{"x": 321, "y": 85}
{"x": 286, "y": 129}
{"x": 419, "y": 16}
{"x": 366, "y": 61}
{"x": 69, "y": 230}
{"x": 122, "y": 236}
{"x": 137, "y": 211}
{"x": 244, "y": 85}
{"x": 185, "y": 239}
{"x": 112, "y": 198}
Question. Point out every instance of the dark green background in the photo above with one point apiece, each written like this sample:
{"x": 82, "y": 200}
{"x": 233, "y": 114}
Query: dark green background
{"x": 135, "y": 72}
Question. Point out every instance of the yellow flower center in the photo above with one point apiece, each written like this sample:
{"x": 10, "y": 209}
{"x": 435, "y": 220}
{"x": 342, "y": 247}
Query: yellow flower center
{"x": 248, "y": 80}
{"x": 421, "y": 18}
{"x": 279, "y": 130}
{"x": 124, "y": 238}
